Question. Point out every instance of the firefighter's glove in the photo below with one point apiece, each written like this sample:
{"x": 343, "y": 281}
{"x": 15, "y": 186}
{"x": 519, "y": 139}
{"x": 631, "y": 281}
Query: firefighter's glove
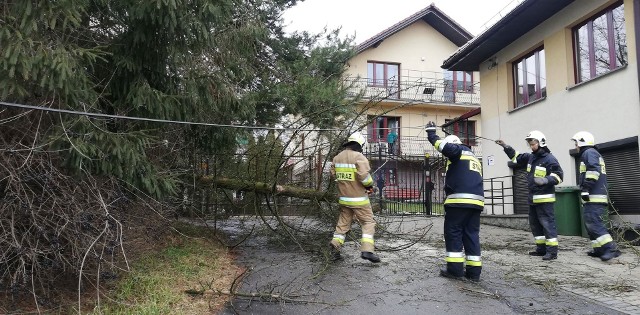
{"x": 431, "y": 127}
{"x": 585, "y": 196}
{"x": 369, "y": 190}
{"x": 541, "y": 181}
{"x": 501, "y": 143}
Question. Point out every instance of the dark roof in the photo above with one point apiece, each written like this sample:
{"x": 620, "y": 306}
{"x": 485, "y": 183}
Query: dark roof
{"x": 431, "y": 15}
{"x": 522, "y": 19}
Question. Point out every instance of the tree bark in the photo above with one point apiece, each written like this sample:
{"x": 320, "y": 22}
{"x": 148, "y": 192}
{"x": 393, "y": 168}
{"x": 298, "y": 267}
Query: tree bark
{"x": 267, "y": 188}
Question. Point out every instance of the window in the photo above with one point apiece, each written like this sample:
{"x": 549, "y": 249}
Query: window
{"x": 380, "y": 127}
{"x": 457, "y": 81}
{"x": 464, "y": 129}
{"x": 462, "y": 80}
{"x": 529, "y": 78}
{"x": 384, "y": 75}
{"x": 600, "y": 44}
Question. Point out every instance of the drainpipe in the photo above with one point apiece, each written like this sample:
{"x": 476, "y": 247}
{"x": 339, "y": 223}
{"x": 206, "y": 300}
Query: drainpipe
{"x": 636, "y": 26}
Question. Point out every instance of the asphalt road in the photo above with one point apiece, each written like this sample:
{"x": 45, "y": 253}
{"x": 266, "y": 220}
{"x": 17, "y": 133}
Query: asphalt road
{"x": 291, "y": 281}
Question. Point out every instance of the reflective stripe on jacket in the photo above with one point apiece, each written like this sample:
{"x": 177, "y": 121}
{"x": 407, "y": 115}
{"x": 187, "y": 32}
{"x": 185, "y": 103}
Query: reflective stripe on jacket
{"x": 539, "y": 164}
{"x": 463, "y": 180}
{"x": 593, "y": 175}
{"x": 351, "y": 171}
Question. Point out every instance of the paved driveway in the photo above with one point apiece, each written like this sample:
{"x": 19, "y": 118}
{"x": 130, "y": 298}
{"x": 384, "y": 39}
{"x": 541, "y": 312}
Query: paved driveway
{"x": 291, "y": 281}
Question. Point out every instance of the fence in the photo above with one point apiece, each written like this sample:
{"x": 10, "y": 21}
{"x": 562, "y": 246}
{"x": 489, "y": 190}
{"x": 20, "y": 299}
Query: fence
{"x": 498, "y": 195}
{"x": 409, "y": 146}
{"x": 434, "y": 89}
{"x": 406, "y": 183}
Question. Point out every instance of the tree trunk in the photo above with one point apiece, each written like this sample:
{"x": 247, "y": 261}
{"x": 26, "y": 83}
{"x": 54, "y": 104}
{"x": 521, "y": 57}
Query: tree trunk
{"x": 266, "y": 188}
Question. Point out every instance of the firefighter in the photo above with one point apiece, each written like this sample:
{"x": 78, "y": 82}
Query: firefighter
{"x": 593, "y": 186}
{"x": 351, "y": 169}
{"x": 463, "y": 205}
{"x": 543, "y": 173}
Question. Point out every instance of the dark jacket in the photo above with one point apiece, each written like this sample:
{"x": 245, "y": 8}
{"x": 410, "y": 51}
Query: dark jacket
{"x": 463, "y": 182}
{"x": 539, "y": 164}
{"x": 593, "y": 176}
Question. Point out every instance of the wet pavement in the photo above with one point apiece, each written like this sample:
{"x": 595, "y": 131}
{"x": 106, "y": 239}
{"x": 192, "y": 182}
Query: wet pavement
{"x": 291, "y": 281}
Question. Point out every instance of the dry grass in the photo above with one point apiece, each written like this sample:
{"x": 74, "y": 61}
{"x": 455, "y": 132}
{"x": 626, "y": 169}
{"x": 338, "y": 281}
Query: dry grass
{"x": 159, "y": 279}
{"x": 164, "y": 264}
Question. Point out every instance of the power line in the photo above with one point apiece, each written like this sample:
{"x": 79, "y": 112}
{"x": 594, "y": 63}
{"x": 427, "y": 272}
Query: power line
{"x": 99, "y": 115}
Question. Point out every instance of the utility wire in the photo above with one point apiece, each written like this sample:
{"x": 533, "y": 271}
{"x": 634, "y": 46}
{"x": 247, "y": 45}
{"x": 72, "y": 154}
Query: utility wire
{"x": 99, "y": 115}
{"x": 88, "y": 114}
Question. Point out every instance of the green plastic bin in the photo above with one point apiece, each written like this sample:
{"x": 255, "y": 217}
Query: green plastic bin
{"x": 568, "y": 211}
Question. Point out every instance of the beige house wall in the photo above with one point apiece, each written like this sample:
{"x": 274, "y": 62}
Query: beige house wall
{"x": 417, "y": 47}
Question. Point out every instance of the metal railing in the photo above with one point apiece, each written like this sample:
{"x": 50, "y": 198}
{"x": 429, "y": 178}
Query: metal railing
{"x": 410, "y": 146}
{"x": 496, "y": 195}
{"x": 413, "y": 89}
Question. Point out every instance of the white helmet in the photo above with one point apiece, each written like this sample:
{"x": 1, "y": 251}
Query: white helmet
{"x": 537, "y": 135}
{"x": 452, "y": 139}
{"x": 584, "y": 138}
{"x": 357, "y": 137}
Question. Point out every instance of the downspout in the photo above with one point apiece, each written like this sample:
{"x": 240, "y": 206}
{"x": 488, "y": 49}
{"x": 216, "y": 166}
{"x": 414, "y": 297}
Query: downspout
{"x": 636, "y": 26}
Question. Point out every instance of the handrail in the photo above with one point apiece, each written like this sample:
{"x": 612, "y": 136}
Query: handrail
{"x": 498, "y": 191}
{"x": 424, "y": 89}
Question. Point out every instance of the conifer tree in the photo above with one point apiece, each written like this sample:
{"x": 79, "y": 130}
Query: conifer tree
{"x": 65, "y": 179}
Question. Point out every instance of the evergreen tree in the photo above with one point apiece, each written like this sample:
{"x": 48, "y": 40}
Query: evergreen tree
{"x": 224, "y": 62}
{"x": 64, "y": 178}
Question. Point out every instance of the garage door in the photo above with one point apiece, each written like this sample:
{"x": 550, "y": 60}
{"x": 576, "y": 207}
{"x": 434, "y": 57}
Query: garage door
{"x": 623, "y": 175}
{"x": 520, "y": 191}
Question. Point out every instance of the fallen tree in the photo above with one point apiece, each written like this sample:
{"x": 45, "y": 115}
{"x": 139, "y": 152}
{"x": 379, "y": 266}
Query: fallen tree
{"x": 267, "y": 188}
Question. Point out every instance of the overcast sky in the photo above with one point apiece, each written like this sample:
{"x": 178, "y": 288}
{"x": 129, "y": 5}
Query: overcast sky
{"x": 365, "y": 18}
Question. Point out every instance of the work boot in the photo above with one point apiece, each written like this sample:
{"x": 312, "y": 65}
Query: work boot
{"x": 370, "y": 257}
{"x": 550, "y": 256}
{"x": 536, "y": 253}
{"x": 334, "y": 253}
{"x": 472, "y": 279}
{"x": 610, "y": 254}
{"x": 593, "y": 253}
{"x": 446, "y": 274}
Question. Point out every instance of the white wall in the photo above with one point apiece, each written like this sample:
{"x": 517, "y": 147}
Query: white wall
{"x": 608, "y": 107}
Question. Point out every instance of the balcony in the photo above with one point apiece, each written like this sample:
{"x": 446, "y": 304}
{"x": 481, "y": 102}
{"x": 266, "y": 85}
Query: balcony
{"x": 426, "y": 87}
{"x": 408, "y": 146}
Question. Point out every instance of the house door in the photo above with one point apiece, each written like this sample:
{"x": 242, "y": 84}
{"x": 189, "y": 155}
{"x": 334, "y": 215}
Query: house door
{"x": 381, "y": 126}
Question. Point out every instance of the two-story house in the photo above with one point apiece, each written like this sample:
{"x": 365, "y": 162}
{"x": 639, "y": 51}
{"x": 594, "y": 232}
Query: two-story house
{"x": 560, "y": 67}
{"x": 398, "y": 76}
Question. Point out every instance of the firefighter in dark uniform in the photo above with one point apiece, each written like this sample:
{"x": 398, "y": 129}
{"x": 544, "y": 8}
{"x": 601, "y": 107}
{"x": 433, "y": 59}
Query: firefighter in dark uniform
{"x": 463, "y": 205}
{"x": 543, "y": 173}
{"x": 593, "y": 186}
{"x": 351, "y": 169}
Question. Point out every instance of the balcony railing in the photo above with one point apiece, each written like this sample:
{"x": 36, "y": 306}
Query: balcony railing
{"x": 409, "y": 146}
{"x": 427, "y": 89}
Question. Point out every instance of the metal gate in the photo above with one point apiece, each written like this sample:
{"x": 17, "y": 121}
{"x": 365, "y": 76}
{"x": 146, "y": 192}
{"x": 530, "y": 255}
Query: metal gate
{"x": 408, "y": 184}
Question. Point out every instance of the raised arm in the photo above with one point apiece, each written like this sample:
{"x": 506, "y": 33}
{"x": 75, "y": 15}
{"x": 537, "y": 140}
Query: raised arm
{"x": 521, "y": 159}
{"x": 450, "y": 150}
